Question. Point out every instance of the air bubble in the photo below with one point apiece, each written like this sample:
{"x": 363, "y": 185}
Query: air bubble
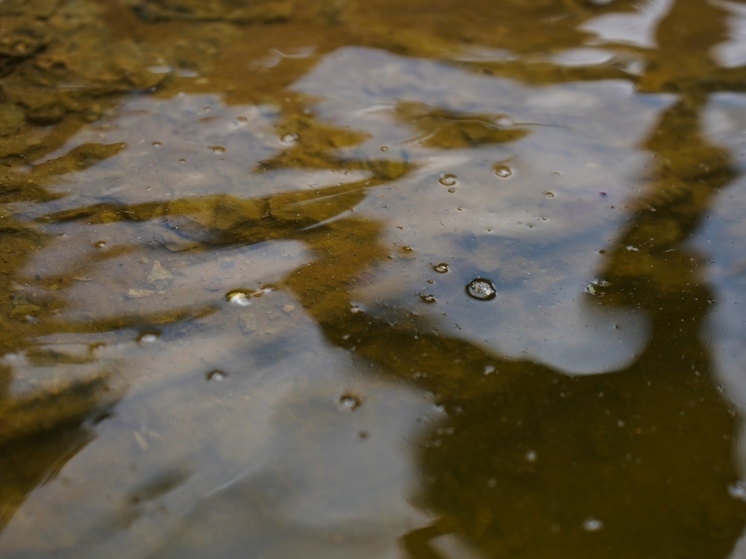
{"x": 591, "y": 524}
{"x": 595, "y": 287}
{"x": 549, "y": 194}
{"x": 238, "y": 298}
{"x": 289, "y": 139}
{"x": 350, "y": 402}
{"x": 157, "y": 144}
{"x": 217, "y": 149}
{"x": 441, "y": 268}
{"x": 737, "y": 491}
{"x": 503, "y": 171}
{"x": 216, "y": 374}
{"x": 482, "y": 289}
{"x": 427, "y": 298}
{"x": 448, "y": 180}
{"x": 261, "y": 291}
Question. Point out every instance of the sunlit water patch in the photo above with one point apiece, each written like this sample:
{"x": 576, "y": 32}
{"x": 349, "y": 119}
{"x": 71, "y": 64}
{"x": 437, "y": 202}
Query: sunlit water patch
{"x": 540, "y": 252}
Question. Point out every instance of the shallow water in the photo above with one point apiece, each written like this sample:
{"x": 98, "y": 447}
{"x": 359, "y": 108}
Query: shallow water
{"x": 412, "y": 280}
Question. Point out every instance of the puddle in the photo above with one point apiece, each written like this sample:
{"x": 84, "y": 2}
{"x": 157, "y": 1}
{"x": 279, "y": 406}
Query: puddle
{"x": 372, "y": 279}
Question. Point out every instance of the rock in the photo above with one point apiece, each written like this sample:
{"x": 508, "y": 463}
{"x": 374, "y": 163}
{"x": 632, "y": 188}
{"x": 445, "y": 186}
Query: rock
{"x": 158, "y": 273}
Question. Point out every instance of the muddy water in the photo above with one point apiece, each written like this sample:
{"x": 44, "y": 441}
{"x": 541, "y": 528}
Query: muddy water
{"x": 378, "y": 279}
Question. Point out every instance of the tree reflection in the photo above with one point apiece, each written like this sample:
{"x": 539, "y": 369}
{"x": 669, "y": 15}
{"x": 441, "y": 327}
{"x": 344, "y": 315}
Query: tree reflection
{"x": 531, "y": 461}
{"x": 633, "y": 463}
{"x": 636, "y": 463}
{"x": 630, "y": 464}
{"x": 40, "y": 430}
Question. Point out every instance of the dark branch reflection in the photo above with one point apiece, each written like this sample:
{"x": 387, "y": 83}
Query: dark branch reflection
{"x": 536, "y": 462}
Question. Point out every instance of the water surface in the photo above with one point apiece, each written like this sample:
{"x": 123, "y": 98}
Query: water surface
{"x": 409, "y": 280}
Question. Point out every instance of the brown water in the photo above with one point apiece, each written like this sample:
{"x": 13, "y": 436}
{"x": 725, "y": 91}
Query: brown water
{"x": 239, "y": 240}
